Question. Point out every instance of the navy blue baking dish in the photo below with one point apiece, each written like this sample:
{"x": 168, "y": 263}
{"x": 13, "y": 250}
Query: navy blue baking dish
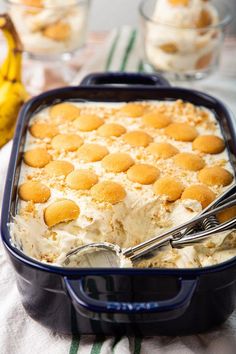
{"x": 120, "y": 301}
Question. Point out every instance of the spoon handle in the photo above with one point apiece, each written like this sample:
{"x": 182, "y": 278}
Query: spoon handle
{"x": 178, "y": 236}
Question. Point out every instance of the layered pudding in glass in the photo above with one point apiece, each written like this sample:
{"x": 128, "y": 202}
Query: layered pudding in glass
{"x": 50, "y": 27}
{"x": 183, "y": 37}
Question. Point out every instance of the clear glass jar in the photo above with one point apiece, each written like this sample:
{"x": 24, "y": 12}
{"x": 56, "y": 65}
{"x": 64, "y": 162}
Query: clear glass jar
{"x": 50, "y": 29}
{"x": 188, "y": 46}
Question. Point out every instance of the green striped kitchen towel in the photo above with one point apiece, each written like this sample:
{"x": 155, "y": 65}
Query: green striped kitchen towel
{"x": 123, "y": 52}
{"x": 120, "y": 52}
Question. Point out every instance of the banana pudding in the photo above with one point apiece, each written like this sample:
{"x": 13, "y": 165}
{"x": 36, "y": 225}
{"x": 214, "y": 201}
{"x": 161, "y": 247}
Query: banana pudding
{"x": 121, "y": 173}
{"x": 182, "y": 37}
{"x": 50, "y": 27}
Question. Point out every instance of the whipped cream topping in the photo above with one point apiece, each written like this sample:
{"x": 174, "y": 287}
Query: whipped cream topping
{"x": 183, "y": 16}
{"x": 141, "y": 215}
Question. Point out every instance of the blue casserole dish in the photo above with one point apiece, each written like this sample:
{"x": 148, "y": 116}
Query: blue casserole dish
{"x": 120, "y": 301}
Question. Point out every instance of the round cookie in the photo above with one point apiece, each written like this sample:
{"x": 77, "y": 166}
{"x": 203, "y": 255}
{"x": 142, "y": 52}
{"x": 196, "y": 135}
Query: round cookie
{"x": 189, "y": 161}
{"x": 204, "y": 61}
{"x": 143, "y": 174}
{"x": 88, "y": 122}
{"x": 227, "y": 214}
{"x": 133, "y": 110}
{"x": 67, "y": 142}
{"x": 59, "y": 168}
{"x": 137, "y": 138}
{"x": 92, "y": 152}
{"x": 179, "y": 2}
{"x": 162, "y": 150}
{"x": 209, "y": 144}
{"x": 169, "y": 187}
{"x": 199, "y": 192}
{"x": 37, "y": 157}
{"x": 43, "y": 130}
{"x": 117, "y": 162}
{"x": 111, "y": 129}
{"x": 59, "y": 31}
{"x": 32, "y": 3}
{"x": 170, "y": 48}
{"x": 63, "y": 210}
{"x": 81, "y": 179}
{"x": 215, "y": 176}
{"x": 108, "y": 191}
{"x": 181, "y": 132}
{"x": 156, "y": 119}
{"x": 204, "y": 19}
{"x": 34, "y": 191}
{"x": 64, "y": 112}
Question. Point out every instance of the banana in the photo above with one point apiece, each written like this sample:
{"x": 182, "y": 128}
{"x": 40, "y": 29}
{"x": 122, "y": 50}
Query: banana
{"x": 12, "y": 91}
{"x": 10, "y": 42}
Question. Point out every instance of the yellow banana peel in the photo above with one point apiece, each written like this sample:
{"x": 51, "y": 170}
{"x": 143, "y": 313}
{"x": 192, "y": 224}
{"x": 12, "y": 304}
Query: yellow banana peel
{"x": 12, "y": 91}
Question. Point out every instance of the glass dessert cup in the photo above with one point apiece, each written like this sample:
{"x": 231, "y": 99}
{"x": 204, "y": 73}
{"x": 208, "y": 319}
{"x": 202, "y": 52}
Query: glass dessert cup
{"x": 183, "y": 53}
{"x": 50, "y": 29}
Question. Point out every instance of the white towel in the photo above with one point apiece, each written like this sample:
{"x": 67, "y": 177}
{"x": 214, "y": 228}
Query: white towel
{"x": 19, "y": 334}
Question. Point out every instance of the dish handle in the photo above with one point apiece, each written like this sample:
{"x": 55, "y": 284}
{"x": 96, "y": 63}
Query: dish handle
{"x": 120, "y": 78}
{"x": 164, "y": 309}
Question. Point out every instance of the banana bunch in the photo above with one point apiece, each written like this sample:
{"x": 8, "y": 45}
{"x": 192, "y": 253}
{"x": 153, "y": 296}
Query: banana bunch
{"x": 12, "y": 92}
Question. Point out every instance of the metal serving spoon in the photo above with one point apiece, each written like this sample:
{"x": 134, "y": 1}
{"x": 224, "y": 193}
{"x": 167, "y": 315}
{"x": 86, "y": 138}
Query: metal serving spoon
{"x": 109, "y": 255}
